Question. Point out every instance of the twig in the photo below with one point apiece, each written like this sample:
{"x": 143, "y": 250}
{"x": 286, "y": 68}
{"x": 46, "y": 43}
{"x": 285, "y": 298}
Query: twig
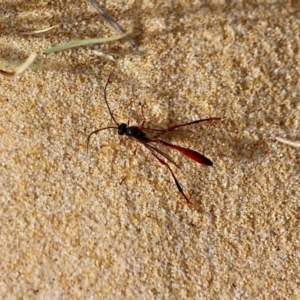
{"x": 104, "y": 14}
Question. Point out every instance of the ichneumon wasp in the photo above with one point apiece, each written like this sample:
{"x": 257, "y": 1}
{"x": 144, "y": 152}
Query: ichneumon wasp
{"x": 140, "y": 135}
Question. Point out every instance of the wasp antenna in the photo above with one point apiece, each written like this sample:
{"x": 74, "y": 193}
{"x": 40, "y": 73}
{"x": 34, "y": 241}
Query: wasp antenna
{"x": 105, "y": 99}
{"x": 95, "y": 132}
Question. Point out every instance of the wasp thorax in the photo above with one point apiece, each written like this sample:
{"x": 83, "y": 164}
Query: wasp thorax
{"x": 133, "y": 131}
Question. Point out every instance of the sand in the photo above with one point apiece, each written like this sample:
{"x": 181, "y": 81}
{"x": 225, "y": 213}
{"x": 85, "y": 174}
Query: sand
{"x": 70, "y": 230}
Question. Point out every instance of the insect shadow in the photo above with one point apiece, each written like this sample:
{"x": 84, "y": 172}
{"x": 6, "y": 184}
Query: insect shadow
{"x": 142, "y": 135}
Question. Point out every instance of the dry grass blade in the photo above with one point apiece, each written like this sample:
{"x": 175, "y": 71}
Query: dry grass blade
{"x": 39, "y": 31}
{"x": 288, "y": 142}
{"x": 20, "y": 69}
{"x": 79, "y": 43}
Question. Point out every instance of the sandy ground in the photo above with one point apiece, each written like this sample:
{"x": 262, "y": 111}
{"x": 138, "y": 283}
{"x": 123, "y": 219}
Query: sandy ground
{"x": 70, "y": 230}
